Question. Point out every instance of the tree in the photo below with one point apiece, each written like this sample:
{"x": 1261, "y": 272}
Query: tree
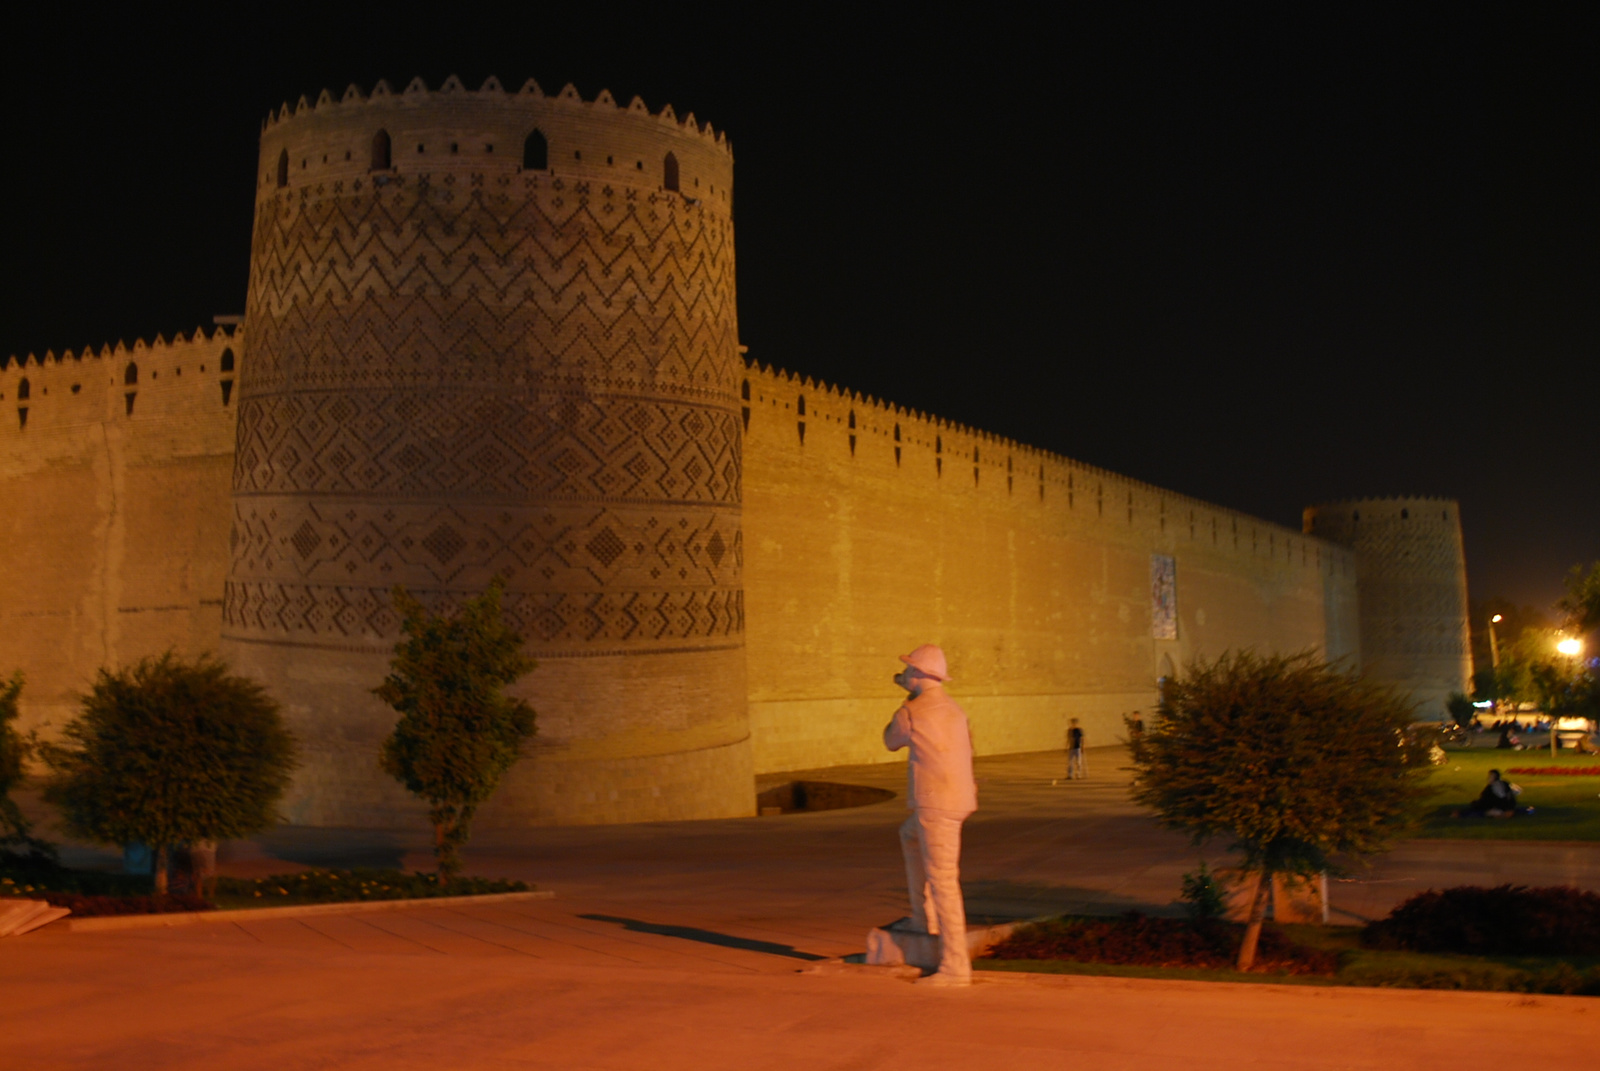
{"x": 170, "y": 752}
{"x": 458, "y": 732}
{"x": 16, "y": 832}
{"x": 1297, "y": 761}
{"x": 1581, "y": 605}
{"x": 1532, "y": 670}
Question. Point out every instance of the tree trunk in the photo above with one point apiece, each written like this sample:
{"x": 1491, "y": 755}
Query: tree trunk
{"x": 1252, "y": 930}
{"x": 159, "y": 870}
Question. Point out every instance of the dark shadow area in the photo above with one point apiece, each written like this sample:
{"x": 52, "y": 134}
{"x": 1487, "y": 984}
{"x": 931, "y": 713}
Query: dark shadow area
{"x": 818, "y": 796}
{"x": 990, "y": 902}
{"x": 335, "y": 848}
{"x": 708, "y": 937}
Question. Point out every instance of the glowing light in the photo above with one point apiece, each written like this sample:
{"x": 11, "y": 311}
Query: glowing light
{"x": 1496, "y": 619}
{"x": 1570, "y": 647}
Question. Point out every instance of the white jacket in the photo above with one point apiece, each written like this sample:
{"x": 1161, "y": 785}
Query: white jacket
{"x": 939, "y": 775}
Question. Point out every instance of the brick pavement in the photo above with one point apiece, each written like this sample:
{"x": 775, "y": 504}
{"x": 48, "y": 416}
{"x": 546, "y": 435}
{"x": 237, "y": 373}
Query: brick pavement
{"x": 680, "y": 945}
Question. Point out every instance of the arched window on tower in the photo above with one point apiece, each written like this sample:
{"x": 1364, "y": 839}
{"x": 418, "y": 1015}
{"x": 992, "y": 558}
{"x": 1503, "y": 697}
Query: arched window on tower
{"x": 669, "y": 172}
{"x": 227, "y": 360}
{"x": 535, "y": 152}
{"x": 130, "y": 375}
{"x": 283, "y": 168}
{"x": 380, "y": 151}
{"x": 22, "y": 391}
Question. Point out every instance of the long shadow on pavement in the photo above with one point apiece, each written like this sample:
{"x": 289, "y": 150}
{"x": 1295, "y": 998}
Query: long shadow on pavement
{"x": 710, "y": 937}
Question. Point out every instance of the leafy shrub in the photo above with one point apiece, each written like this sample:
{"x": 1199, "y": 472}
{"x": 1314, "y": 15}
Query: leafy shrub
{"x": 1505, "y": 920}
{"x": 1152, "y": 942}
{"x": 1202, "y": 895}
{"x": 170, "y": 752}
{"x": 337, "y": 886}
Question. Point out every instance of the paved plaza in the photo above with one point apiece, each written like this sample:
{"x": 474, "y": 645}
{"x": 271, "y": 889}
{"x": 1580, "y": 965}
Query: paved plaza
{"x": 691, "y": 945}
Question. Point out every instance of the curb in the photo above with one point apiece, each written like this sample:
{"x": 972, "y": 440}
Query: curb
{"x": 347, "y": 907}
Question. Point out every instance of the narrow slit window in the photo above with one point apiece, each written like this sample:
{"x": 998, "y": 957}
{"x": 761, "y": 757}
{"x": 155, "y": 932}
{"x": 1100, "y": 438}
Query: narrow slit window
{"x": 23, "y": 390}
{"x": 669, "y": 172}
{"x": 227, "y": 360}
{"x": 130, "y": 375}
{"x": 535, "y": 152}
{"x": 283, "y": 168}
{"x": 227, "y": 391}
{"x": 380, "y": 151}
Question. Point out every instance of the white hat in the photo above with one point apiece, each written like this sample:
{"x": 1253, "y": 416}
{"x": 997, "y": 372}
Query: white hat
{"x": 929, "y": 660}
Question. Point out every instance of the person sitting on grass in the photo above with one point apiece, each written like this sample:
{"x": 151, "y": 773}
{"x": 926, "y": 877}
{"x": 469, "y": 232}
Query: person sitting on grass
{"x": 1497, "y": 800}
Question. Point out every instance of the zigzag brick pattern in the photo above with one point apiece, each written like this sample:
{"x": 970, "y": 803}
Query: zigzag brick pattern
{"x": 467, "y": 376}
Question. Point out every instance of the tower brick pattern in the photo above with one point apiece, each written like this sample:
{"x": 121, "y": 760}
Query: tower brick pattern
{"x": 1411, "y": 581}
{"x": 465, "y": 366}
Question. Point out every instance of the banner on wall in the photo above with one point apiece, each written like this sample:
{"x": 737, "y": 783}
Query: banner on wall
{"x": 1163, "y": 597}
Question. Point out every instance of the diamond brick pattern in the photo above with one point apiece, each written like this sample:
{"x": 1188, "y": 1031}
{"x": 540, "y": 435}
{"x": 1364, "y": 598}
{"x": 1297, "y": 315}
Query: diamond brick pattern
{"x": 470, "y": 377}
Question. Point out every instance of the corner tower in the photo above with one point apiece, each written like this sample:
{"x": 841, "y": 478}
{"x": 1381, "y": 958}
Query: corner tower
{"x": 494, "y": 335}
{"x": 1411, "y": 583}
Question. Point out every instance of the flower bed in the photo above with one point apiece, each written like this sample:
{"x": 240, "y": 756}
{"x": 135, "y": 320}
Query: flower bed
{"x": 1135, "y": 939}
{"x": 1555, "y": 771}
{"x": 338, "y": 886}
{"x": 93, "y": 893}
{"x": 100, "y": 906}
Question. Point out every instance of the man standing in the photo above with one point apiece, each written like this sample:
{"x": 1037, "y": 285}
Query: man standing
{"x": 941, "y": 793}
{"x": 1076, "y": 767}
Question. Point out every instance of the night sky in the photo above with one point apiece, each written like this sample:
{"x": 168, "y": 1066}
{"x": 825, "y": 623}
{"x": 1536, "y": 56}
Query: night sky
{"x": 1266, "y": 256}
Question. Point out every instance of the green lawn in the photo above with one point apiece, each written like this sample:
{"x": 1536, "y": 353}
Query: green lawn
{"x": 1565, "y": 807}
{"x": 1364, "y": 967}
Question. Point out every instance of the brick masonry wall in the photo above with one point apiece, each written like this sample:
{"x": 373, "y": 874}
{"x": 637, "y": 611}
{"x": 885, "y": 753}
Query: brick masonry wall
{"x": 1043, "y": 601}
{"x": 473, "y": 360}
{"x": 1412, "y": 582}
{"x": 464, "y": 367}
{"x": 113, "y": 509}
{"x": 870, "y": 530}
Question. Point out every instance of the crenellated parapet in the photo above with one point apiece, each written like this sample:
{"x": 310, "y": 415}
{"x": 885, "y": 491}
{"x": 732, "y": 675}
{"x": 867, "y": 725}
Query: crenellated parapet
{"x": 159, "y": 380}
{"x": 364, "y": 141}
{"x": 857, "y": 429}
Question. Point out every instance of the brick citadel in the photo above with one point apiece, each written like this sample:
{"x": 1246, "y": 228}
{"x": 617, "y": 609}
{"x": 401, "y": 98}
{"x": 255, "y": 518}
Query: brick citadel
{"x": 494, "y": 333}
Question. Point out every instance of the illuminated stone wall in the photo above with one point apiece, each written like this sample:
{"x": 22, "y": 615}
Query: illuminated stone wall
{"x": 1411, "y": 575}
{"x": 871, "y": 529}
{"x": 466, "y": 360}
{"x": 473, "y": 359}
{"x": 114, "y": 476}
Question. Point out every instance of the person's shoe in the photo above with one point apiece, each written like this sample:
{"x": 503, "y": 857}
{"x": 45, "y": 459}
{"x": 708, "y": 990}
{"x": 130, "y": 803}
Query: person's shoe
{"x": 941, "y": 979}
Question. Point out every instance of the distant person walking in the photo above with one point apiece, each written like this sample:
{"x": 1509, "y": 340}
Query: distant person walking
{"x": 1077, "y": 767}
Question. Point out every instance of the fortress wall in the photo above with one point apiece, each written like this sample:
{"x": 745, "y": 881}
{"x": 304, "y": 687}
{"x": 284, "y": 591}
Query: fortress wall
{"x": 113, "y": 533}
{"x": 1412, "y": 578}
{"x": 506, "y": 346}
{"x": 1033, "y": 571}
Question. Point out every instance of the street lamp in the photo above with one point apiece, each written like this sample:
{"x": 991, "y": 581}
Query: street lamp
{"x": 1494, "y": 644}
{"x": 1572, "y": 647}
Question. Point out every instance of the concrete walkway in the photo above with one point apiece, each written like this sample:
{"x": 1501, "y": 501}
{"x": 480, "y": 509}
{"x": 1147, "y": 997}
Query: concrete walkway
{"x": 683, "y": 945}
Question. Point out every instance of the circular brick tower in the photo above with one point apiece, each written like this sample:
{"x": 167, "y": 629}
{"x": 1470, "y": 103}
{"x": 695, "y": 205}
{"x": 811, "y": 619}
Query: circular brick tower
{"x": 491, "y": 335}
{"x": 1411, "y": 580}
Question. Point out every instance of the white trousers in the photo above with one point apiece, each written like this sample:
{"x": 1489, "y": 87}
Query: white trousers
{"x": 931, "y": 841}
